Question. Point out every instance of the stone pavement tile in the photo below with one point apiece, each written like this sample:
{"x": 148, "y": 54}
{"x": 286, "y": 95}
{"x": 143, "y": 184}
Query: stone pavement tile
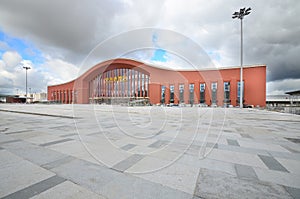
{"x": 25, "y": 135}
{"x": 244, "y": 135}
{"x": 128, "y": 147}
{"x": 172, "y": 174}
{"x": 86, "y": 174}
{"x": 42, "y": 138}
{"x": 35, "y": 189}
{"x": 158, "y": 144}
{"x": 16, "y": 132}
{"x": 245, "y": 172}
{"x": 128, "y": 187}
{"x": 36, "y": 154}
{"x": 272, "y": 163}
{"x": 215, "y": 184}
{"x": 56, "y": 142}
{"x": 293, "y": 166}
{"x": 263, "y": 146}
{"x": 58, "y": 162}
{"x": 242, "y": 149}
{"x": 17, "y": 173}
{"x": 10, "y": 141}
{"x": 207, "y": 163}
{"x": 67, "y": 190}
{"x": 293, "y": 191}
{"x": 289, "y": 155}
{"x": 233, "y": 142}
{"x": 237, "y": 158}
{"x": 127, "y": 163}
{"x": 278, "y": 177}
{"x": 69, "y": 135}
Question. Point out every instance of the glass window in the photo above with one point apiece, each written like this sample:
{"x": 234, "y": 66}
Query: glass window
{"x": 163, "y": 89}
{"x": 181, "y": 93}
{"x": 239, "y": 89}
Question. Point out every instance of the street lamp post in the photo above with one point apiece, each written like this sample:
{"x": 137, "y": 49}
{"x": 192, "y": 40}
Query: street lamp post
{"x": 26, "y": 68}
{"x": 240, "y": 15}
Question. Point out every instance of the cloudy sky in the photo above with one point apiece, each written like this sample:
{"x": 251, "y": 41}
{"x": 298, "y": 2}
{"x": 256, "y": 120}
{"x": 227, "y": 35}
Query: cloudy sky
{"x": 58, "y": 38}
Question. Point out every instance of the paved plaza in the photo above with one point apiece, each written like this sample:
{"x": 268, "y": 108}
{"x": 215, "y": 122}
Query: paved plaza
{"x": 102, "y": 151}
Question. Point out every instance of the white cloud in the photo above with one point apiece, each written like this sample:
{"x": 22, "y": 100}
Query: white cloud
{"x": 11, "y": 59}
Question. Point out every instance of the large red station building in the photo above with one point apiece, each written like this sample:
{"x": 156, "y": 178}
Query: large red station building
{"x": 124, "y": 80}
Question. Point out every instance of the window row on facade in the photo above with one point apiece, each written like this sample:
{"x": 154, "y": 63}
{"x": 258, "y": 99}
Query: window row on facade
{"x": 201, "y": 95}
{"x": 63, "y": 96}
{"x": 122, "y": 82}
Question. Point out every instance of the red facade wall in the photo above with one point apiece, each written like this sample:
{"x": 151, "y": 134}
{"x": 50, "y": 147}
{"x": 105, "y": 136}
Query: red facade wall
{"x": 254, "y": 81}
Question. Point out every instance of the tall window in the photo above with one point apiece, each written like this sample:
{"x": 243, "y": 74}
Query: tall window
{"x": 239, "y": 89}
{"x": 214, "y": 93}
{"x": 226, "y": 92}
{"x": 163, "y": 90}
{"x": 202, "y": 93}
{"x": 172, "y": 93}
{"x": 191, "y": 88}
{"x": 181, "y": 93}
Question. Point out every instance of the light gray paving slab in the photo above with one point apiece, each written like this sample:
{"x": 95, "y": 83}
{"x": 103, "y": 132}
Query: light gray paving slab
{"x": 215, "y": 184}
{"x": 244, "y": 135}
{"x": 56, "y": 142}
{"x": 17, "y": 173}
{"x": 36, "y": 154}
{"x": 272, "y": 163}
{"x": 86, "y": 174}
{"x": 128, "y": 162}
{"x": 35, "y": 189}
{"x": 128, "y": 187}
{"x": 67, "y": 190}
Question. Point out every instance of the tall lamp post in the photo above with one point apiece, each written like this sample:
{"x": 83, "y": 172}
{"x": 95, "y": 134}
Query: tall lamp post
{"x": 26, "y": 68}
{"x": 240, "y": 15}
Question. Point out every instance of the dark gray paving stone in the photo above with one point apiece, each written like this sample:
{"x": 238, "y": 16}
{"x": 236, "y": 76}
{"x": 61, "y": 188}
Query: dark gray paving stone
{"x": 158, "y": 144}
{"x": 128, "y": 146}
{"x": 246, "y": 172}
{"x": 293, "y": 191}
{"x": 16, "y": 132}
{"x": 58, "y": 162}
{"x": 272, "y": 163}
{"x": 56, "y": 142}
{"x": 217, "y": 184}
{"x": 232, "y": 142}
{"x": 295, "y": 140}
{"x": 127, "y": 163}
{"x": 10, "y": 141}
{"x": 1, "y": 148}
{"x": 210, "y": 145}
{"x": 244, "y": 135}
{"x": 69, "y": 135}
{"x": 35, "y": 189}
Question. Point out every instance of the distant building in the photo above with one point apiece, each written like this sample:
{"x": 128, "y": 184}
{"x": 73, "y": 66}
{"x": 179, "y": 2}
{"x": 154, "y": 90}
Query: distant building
{"x": 124, "y": 80}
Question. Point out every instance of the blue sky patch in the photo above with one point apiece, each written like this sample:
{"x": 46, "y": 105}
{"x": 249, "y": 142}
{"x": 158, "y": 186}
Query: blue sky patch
{"x": 159, "y": 55}
{"x": 24, "y": 48}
